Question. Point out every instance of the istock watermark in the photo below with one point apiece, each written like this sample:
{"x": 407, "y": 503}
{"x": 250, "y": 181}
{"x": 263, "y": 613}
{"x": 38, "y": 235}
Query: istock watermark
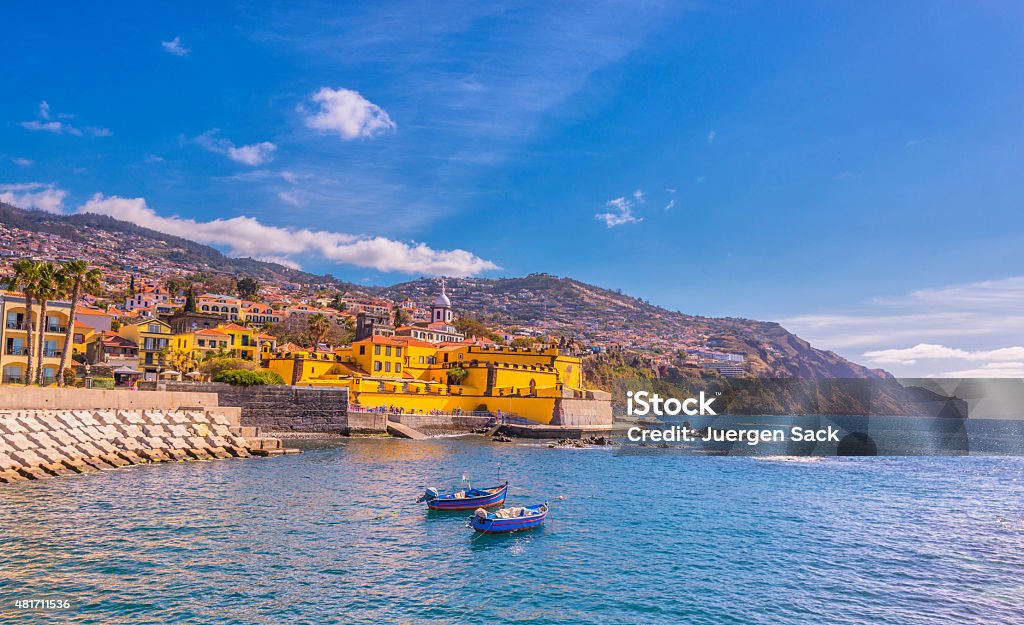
{"x": 642, "y": 403}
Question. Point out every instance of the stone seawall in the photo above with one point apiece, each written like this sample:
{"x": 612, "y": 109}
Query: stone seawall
{"x": 35, "y": 444}
{"x": 284, "y": 408}
{"x": 593, "y": 411}
{"x": 48, "y": 398}
{"x": 442, "y": 423}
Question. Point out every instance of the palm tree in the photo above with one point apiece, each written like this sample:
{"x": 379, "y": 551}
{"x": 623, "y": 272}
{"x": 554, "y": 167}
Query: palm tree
{"x": 319, "y": 325}
{"x": 48, "y": 287}
{"x": 24, "y": 278}
{"x": 78, "y": 278}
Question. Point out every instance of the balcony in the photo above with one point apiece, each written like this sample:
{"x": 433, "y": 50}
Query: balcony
{"x": 16, "y": 351}
{"x": 13, "y": 379}
{"x": 15, "y": 325}
{"x": 57, "y": 329}
{"x": 52, "y": 353}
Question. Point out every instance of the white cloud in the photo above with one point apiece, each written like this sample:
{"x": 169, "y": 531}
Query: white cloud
{"x": 638, "y": 195}
{"x": 711, "y": 136}
{"x": 979, "y": 322}
{"x": 671, "y": 204}
{"x": 290, "y": 197}
{"x": 175, "y": 47}
{"x": 38, "y": 195}
{"x": 20, "y": 161}
{"x": 911, "y": 355}
{"x": 54, "y": 126}
{"x": 245, "y": 236}
{"x": 280, "y": 260}
{"x": 620, "y": 213}
{"x": 991, "y": 370}
{"x": 253, "y": 154}
{"x": 348, "y": 113}
{"x": 46, "y": 123}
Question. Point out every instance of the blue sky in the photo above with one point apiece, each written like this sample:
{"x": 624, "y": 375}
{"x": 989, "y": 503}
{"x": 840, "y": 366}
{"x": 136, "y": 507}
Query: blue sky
{"x": 851, "y": 169}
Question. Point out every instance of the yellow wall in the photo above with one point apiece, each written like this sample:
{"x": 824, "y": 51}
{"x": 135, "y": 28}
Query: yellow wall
{"x": 422, "y": 387}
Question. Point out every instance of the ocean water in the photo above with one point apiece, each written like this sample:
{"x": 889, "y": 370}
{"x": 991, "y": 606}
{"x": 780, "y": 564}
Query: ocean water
{"x": 636, "y": 535}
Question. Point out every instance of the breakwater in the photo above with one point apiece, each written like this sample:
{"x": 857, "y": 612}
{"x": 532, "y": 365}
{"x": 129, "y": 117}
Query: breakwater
{"x": 46, "y": 432}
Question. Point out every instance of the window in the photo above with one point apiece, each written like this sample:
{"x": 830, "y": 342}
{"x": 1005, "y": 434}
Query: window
{"x": 387, "y": 367}
{"x": 154, "y": 328}
{"x": 387, "y": 350}
{"x": 398, "y": 351}
{"x": 79, "y": 338}
{"x": 362, "y": 350}
{"x": 398, "y": 367}
{"x": 376, "y": 350}
{"x": 421, "y": 360}
{"x": 376, "y": 365}
{"x": 201, "y": 342}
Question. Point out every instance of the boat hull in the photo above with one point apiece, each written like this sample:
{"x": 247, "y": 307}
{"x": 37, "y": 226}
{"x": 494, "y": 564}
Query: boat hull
{"x": 506, "y": 526}
{"x": 469, "y": 503}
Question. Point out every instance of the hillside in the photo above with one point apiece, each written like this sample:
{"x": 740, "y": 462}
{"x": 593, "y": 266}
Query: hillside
{"x": 83, "y": 228}
{"x": 595, "y": 315}
{"x": 656, "y": 339}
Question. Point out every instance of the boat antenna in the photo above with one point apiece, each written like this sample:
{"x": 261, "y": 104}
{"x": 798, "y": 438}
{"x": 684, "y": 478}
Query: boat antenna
{"x": 499, "y": 473}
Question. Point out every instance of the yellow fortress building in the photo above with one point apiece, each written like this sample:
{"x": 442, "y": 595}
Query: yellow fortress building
{"x": 406, "y": 374}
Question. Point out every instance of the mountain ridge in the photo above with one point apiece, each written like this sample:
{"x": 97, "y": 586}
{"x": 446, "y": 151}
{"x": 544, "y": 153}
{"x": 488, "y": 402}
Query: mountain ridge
{"x": 539, "y": 303}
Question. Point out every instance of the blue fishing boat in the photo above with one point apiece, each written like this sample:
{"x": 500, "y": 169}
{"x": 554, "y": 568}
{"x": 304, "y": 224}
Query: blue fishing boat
{"x": 509, "y": 519}
{"x": 466, "y": 499}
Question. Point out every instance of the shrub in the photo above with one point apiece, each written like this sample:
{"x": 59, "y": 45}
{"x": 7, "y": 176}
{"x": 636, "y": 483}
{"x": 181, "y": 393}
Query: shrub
{"x": 214, "y": 366}
{"x": 103, "y": 382}
{"x": 245, "y": 377}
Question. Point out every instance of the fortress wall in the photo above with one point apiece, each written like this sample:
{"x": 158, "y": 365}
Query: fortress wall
{"x": 279, "y": 408}
{"x": 576, "y": 412}
{"x": 35, "y": 444}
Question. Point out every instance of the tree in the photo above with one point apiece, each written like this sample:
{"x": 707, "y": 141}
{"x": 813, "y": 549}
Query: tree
{"x": 457, "y": 375}
{"x": 319, "y": 326}
{"x": 215, "y": 366}
{"x": 472, "y": 327}
{"x": 24, "y": 278}
{"x": 78, "y": 278}
{"x": 183, "y": 360}
{"x": 190, "y": 300}
{"x": 338, "y": 302}
{"x": 248, "y": 288}
{"x": 48, "y": 287}
{"x": 401, "y": 317}
{"x": 131, "y": 286}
